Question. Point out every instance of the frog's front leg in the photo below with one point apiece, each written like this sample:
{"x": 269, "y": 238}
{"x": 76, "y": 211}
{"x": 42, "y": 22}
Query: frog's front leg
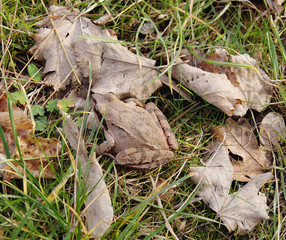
{"x": 162, "y": 123}
{"x": 107, "y": 145}
{"x": 143, "y": 158}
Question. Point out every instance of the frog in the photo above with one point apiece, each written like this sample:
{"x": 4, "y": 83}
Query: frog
{"x": 139, "y": 136}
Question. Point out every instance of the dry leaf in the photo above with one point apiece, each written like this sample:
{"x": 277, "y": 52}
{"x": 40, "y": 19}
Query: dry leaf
{"x": 275, "y": 5}
{"x": 31, "y": 147}
{"x": 231, "y": 89}
{"x": 246, "y": 208}
{"x": 242, "y": 210}
{"x": 99, "y": 213}
{"x": 103, "y": 20}
{"x": 241, "y": 141}
{"x": 114, "y": 68}
{"x": 218, "y": 173}
{"x": 22, "y": 123}
{"x": 34, "y": 151}
{"x": 272, "y": 128}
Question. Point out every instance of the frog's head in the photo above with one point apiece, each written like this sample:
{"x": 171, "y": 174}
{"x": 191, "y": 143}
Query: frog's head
{"x": 103, "y": 100}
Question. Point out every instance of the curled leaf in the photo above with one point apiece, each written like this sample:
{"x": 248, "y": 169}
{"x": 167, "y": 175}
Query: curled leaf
{"x": 99, "y": 212}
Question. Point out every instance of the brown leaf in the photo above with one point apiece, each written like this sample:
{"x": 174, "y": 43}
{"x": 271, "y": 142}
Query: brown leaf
{"x": 218, "y": 173}
{"x": 31, "y": 147}
{"x": 35, "y": 151}
{"x": 99, "y": 211}
{"x": 214, "y": 88}
{"x": 246, "y": 208}
{"x": 241, "y": 141}
{"x": 37, "y": 147}
{"x": 272, "y": 128}
{"x": 114, "y": 68}
{"x": 23, "y": 125}
{"x": 242, "y": 210}
{"x": 275, "y": 5}
{"x": 232, "y": 89}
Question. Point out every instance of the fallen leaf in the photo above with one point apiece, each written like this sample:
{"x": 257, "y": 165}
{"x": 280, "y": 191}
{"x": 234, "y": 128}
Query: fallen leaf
{"x": 69, "y": 57}
{"x": 37, "y": 153}
{"x": 34, "y": 150}
{"x": 214, "y": 88}
{"x": 275, "y": 5}
{"x": 22, "y": 123}
{"x": 218, "y": 173}
{"x": 241, "y": 141}
{"x": 242, "y": 210}
{"x": 272, "y": 128}
{"x": 99, "y": 211}
{"x": 232, "y": 89}
{"x": 247, "y": 207}
{"x": 103, "y": 20}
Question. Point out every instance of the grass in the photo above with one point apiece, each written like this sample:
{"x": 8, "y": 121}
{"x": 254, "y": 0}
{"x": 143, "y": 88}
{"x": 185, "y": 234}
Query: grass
{"x": 28, "y": 210}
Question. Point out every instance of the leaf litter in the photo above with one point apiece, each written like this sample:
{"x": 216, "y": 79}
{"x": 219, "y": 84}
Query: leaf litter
{"x": 70, "y": 58}
{"x": 240, "y": 140}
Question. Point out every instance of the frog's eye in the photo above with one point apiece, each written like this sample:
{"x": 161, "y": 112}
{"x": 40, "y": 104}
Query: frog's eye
{"x": 111, "y": 97}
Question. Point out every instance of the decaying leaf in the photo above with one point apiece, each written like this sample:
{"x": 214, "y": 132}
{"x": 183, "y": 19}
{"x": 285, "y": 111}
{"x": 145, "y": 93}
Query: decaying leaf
{"x": 241, "y": 141}
{"x": 247, "y": 207}
{"x": 168, "y": 195}
{"x": 99, "y": 212}
{"x": 218, "y": 173}
{"x": 68, "y": 57}
{"x": 275, "y": 5}
{"x": 232, "y": 89}
{"x": 22, "y": 123}
{"x": 272, "y": 128}
{"x": 34, "y": 151}
{"x": 242, "y": 210}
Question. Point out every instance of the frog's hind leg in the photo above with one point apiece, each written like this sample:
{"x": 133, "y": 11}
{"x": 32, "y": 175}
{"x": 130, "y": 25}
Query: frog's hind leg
{"x": 162, "y": 123}
{"x": 143, "y": 158}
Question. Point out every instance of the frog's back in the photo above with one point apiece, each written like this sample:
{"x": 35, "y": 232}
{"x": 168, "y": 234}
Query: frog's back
{"x": 133, "y": 126}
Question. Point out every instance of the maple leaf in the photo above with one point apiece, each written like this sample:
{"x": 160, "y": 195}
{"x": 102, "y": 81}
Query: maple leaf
{"x": 71, "y": 57}
{"x": 272, "y": 128}
{"x": 240, "y": 140}
{"x": 243, "y": 209}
